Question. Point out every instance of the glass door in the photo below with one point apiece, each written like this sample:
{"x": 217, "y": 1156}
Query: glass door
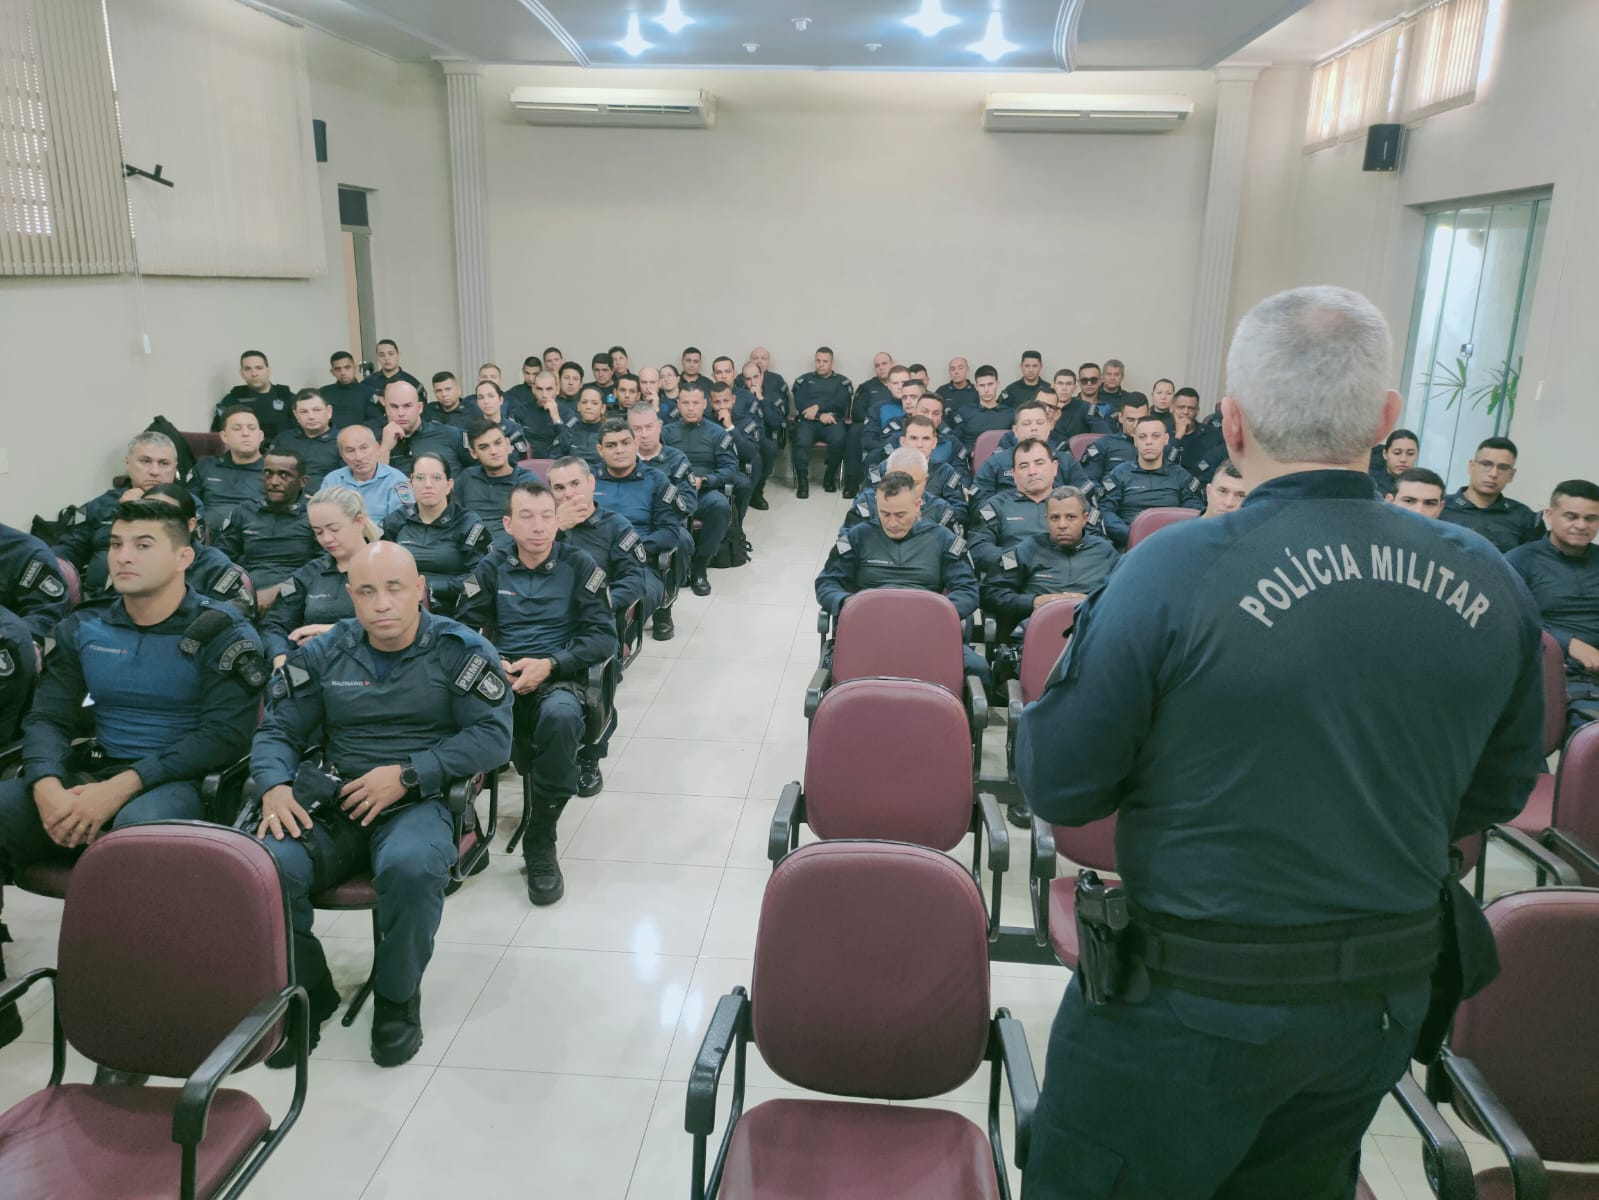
{"x": 1479, "y": 265}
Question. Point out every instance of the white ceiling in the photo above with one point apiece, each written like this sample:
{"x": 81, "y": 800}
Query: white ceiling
{"x": 1048, "y": 35}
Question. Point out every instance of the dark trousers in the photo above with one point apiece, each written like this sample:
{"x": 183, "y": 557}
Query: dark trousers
{"x": 1184, "y": 1097}
{"x": 855, "y": 463}
{"x": 715, "y": 514}
{"x": 19, "y": 669}
{"x": 23, "y": 839}
{"x": 410, "y": 855}
{"x": 547, "y": 730}
{"x": 767, "y": 461}
{"x": 807, "y": 434}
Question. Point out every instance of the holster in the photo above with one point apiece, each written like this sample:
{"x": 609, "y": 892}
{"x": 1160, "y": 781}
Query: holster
{"x": 1102, "y": 921}
{"x": 1468, "y": 961}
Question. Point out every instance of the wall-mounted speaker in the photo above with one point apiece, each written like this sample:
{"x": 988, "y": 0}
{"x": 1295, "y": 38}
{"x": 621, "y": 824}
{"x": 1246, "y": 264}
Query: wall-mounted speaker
{"x": 319, "y": 132}
{"x": 1382, "y": 148}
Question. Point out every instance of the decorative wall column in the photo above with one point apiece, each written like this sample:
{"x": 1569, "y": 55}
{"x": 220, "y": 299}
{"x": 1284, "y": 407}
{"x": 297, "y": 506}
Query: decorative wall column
{"x": 468, "y": 190}
{"x": 1213, "y": 280}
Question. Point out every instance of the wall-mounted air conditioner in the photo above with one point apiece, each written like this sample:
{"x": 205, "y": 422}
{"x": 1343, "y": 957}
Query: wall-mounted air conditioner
{"x": 634, "y": 108}
{"x": 1063, "y": 112}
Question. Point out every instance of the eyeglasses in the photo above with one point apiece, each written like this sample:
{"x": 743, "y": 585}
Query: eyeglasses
{"x": 1494, "y": 468}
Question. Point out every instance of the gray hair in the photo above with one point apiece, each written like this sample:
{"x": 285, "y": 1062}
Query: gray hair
{"x": 571, "y": 460}
{"x": 1067, "y": 492}
{"x": 904, "y": 458}
{"x": 151, "y": 437}
{"x": 348, "y": 501}
{"x": 1310, "y": 368}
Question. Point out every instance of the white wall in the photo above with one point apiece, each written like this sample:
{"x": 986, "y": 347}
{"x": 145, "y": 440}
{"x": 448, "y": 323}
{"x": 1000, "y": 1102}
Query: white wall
{"x": 863, "y": 211}
{"x": 1319, "y": 219}
{"x": 78, "y": 381}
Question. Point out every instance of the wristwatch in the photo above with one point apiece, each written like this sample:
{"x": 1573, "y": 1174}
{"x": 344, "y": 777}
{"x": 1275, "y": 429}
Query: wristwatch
{"x": 411, "y": 780}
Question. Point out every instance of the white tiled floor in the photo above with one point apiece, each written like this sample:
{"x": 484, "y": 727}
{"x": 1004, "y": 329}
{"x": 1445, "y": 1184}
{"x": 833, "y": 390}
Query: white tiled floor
{"x": 558, "y": 1040}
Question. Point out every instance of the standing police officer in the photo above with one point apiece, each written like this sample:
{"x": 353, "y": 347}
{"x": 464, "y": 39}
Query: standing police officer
{"x": 1286, "y": 874}
{"x": 404, "y": 703}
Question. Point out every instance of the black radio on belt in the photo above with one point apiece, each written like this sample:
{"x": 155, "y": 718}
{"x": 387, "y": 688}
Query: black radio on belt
{"x": 1102, "y": 921}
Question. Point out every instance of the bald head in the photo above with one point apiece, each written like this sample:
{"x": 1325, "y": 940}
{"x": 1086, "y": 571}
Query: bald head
{"x": 387, "y": 591}
{"x": 402, "y": 405}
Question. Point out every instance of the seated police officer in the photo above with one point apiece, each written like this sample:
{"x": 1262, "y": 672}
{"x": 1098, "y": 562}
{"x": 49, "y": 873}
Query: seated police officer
{"x": 222, "y": 482}
{"x": 1029, "y": 385}
{"x": 1114, "y": 449}
{"x": 1069, "y": 413}
{"x": 390, "y": 371}
{"x": 489, "y": 405}
{"x": 657, "y": 509}
{"x": 212, "y": 573}
{"x": 382, "y": 488}
{"x": 33, "y": 597}
{"x": 403, "y": 703}
{"x": 713, "y": 472}
{"x": 933, "y": 509}
{"x": 901, "y": 550}
{"x": 1482, "y": 504}
{"x": 878, "y": 402}
{"x": 974, "y": 420}
{"x": 746, "y": 433}
{"x": 167, "y": 682}
{"x": 959, "y": 393}
{"x": 945, "y": 480}
{"x": 1007, "y": 518}
{"x": 1151, "y": 481}
{"x": 920, "y": 402}
{"x": 448, "y": 406}
{"x": 484, "y": 487}
{"x": 349, "y": 398}
{"x": 582, "y": 429}
{"x": 445, "y": 539}
{"x": 546, "y": 609}
{"x": 1226, "y": 491}
{"x": 151, "y": 459}
{"x": 1068, "y": 560}
{"x": 271, "y": 538}
{"x": 1196, "y": 446}
{"x": 1562, "y": 572}
{"x": 270, "y": 402}
{"x": 1419, "y": 490}
{"x": 541, "y": 417}
{"x": 312, "y": 437}
{"x": 315, "y": 597}
{"x": 767, "y": 404}
{"x": 1029, "y": 419}
{"x": 822, "y": 405}
{"x": 405, "y": 433}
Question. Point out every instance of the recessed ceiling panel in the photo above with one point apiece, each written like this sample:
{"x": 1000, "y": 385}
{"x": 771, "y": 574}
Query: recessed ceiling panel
{"x": 1170, "y": 34}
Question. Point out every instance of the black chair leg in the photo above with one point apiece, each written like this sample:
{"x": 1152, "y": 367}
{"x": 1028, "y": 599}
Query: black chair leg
{"x": 527, "y": 815}
{"x": 365, "y": 990}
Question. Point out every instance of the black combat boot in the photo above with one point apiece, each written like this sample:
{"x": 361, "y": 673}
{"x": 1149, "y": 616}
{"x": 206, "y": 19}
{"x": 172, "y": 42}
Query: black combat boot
{"x": 589, "y": 780}
{"x": 802, "y": 485}
{"x": 758, "y": 500}
{"x": 699, "y": 581}
{"x": 311, "y": 972}
{"x": 396, "y": 1029}
{"x": 545, "y": 883}
{"x": 661, "y": 627}
{"x": 830, "y": 480}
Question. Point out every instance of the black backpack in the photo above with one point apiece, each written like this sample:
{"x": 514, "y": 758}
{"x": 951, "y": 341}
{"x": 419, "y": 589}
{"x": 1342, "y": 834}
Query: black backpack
{"x": 735, "y": 548}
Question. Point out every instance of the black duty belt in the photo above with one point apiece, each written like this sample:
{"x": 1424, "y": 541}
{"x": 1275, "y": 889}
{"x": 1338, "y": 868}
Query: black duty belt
{"x": 1302, "y": 964}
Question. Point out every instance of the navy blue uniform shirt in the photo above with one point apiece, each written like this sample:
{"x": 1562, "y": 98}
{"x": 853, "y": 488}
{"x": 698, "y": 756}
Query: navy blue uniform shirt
{"x": 31, "y": 583}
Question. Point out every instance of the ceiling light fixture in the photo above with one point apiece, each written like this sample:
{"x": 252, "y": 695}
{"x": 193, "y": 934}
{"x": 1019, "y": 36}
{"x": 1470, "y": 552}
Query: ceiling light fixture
{"x": 932, "y": 20}
{"x": 993, "y": 47}
{"x": 634, "y": 42}
{"x": 672, "y": 19}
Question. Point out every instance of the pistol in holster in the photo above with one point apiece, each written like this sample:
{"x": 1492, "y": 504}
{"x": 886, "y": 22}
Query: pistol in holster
{"x": 1102, "y": 923}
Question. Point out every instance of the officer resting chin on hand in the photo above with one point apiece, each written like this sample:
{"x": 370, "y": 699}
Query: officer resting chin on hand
{"x": 403, "y": 703}
{"x": 1287, "y": 878}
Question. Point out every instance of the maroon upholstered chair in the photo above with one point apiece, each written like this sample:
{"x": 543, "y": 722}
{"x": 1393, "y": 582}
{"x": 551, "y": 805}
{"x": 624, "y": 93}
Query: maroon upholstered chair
{"x": 1522, "y": 1063}
{"x": 865, "y": 778}
{"x": 987, "y": 442}
{"x": 174, "y": 960}
{"x": 203, "y": 445}
{"x": 870, "y": 981}
{"x": 1042, "y": 645}
{"x": 539, "y": 467}
{"x": 1080, "y": 442}
{"x": 900, "y": 633}
{"x": 1153, "y": 520}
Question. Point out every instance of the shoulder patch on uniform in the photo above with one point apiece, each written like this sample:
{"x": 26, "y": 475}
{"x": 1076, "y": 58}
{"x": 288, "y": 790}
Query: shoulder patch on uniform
{"x": 490, "y": 686}
{"x": 30, "y": 574}
{"x": 596, "y": 580}
{"x": 629, "y": 540}
{"x": 471, "y": 671}
{"x": 987, "y": 512}
{"x": 863, "y": 508}
{"x": 52, "y": 587}
{"x": 476, "y": 534}
{"x": 1091, "y": 452}
{"x": 8, "y": 665}
{"x": 471, "y": 587}
{"x": 957, "y": 547}
{"x": 1007, "y": 561}
{"x": 1108, "y": 484}
{"x": 229, "y": 582}
{"x": 727, "y": 440}
{"x": 288, "y": 587}
{"x": 843, "y": 545}
{"x": 638, "y": 553}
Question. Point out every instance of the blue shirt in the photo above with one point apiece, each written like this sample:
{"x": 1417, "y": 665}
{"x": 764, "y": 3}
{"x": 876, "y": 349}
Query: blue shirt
{"x": 386, "y": 491}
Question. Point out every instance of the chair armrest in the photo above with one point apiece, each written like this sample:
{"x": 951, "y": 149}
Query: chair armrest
{"x": 1563, "y": 843}
{"x": 824, "y": 622}
{"x": 1013, "y": 703}
{"x": 1017, "y": 1062}
{"x": 10, "y": 758}
{"x": 12, "y": 989}
{"x": 699, "y": 1113}
{"x": 194, "y": 1101}
{"x": 1544, "y": 860}
{"x": 785, "y": 822}
{"x": 460, "y": 794}
{"x": 214, "y": 786}
{"x": 998, "y": 834}
{"x": 1040, "y": 877}
{"x": 1470, "y": 1093}
{"x": 814, "y": 690}
{"x": 990, "y": 631}
{"x": 1444, "y": 1157}
{"x": 249, "y": 806}
{"x": 977, "y": 705}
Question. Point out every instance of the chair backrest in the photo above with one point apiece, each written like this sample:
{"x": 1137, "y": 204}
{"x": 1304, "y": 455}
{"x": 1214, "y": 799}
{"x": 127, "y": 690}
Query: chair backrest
{"x": 539, "y": 467}
{"x": 902, "y": 632}
{"x": 871, "y": 971}
{"x": 1554, "y": 696}
{"x": 1043, "y": 644}
{"x": 1530, "y": 1031}
{"x": 1153, "y": 520}
{"x": 890, "y": 758}
{"x": 203, "y": 445}
{"x": 1080, "y": 442}
{"x": 171, "y": 933}
{"x": 987, "y": 443}
{"x": 74, "y": 584}
{"x": 1092, "y": 845}
{"x": 1576, "y": 810}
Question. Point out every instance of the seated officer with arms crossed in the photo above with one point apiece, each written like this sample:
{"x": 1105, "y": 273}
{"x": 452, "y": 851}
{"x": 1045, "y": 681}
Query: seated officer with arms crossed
{"x": 901, "y": 550}
{"x": 658, "y": 510}
{"x": 222, "y": 483}
{"x": 166, "y": 681}
{"x": 548, "y": 613}
{"x": 1419, "y": 490}
{"x": 1149, "y": 482}
{"x": 933, "y": 509}
{"x": 713, "y": 471}
{"x": 403, "y": 703}
{"x": 445, "y": 540}
{"x": 33, "y": 597}
{"x": 271, "y": 538}
{"x": 1562, "y": 571}
{"x": 316, "y": 596}
{"x": 151, "y": 459}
